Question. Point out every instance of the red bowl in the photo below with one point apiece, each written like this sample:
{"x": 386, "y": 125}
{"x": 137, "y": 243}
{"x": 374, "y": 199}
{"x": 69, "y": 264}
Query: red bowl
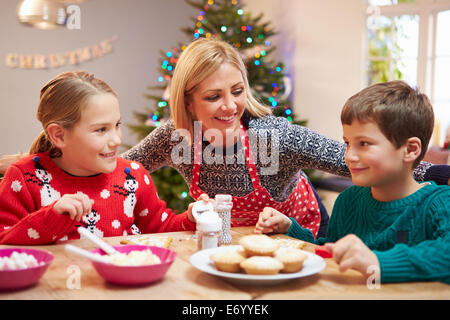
{"x": 22, "y": 278}
{"x": 135, "y": 275}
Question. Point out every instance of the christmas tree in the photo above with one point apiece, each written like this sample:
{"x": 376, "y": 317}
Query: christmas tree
{"x": 228, "y": 21}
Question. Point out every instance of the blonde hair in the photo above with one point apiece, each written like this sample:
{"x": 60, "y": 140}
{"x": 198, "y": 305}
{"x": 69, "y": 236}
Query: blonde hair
{"x": 61, "y": 101}
{"x": 199, "y": 60}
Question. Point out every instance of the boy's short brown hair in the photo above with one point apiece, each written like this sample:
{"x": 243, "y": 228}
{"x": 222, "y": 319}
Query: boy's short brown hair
{"x": 400, "y": 112}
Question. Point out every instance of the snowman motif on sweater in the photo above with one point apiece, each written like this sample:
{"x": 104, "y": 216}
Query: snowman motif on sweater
{"x": 129, "y": 191}
{"x": 135, "y": 229}
{"x": 42, "y": 178}
{"x": 90, "y": 220}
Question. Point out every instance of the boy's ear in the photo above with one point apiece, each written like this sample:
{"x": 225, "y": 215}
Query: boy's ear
{"x": 56, "y": 135}
{"x": 413, "y": 147}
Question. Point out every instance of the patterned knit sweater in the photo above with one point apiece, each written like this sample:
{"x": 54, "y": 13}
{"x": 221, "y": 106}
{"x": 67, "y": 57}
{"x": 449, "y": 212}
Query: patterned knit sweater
{"x": 272, "y": 139}
{"x": 410, "y": 236}
{"x": 125, "y": 202}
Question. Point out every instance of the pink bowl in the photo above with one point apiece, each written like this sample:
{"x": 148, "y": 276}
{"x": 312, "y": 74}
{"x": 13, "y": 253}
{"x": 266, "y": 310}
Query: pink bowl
{"x": 22, "y": 278}
{"x": 135, "y": 275}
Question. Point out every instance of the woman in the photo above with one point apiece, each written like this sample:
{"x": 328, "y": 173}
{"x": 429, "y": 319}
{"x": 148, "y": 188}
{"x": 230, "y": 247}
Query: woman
{"x": 239, "y": 148}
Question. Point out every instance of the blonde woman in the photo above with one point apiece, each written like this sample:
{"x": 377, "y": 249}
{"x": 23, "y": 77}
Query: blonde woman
{"x": 239, "y": 148}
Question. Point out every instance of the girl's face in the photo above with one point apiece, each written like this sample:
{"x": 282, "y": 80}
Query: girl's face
{"x": 90, "y": 147}
{"x": 219, "y": 102}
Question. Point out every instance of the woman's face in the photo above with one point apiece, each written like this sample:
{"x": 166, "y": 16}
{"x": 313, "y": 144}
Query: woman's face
{"x": 219, "y": 102}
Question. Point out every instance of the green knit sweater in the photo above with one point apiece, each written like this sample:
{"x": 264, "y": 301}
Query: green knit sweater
{"x": 410, "y": 236}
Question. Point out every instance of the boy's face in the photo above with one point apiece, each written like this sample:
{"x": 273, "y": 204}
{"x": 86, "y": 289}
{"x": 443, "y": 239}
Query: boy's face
{"x": 91, "y": 145}
{"x": 371, "y": 158}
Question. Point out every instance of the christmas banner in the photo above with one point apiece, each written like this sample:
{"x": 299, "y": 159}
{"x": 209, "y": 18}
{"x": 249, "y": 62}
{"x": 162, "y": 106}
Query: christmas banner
{"x": 57, "y": 60}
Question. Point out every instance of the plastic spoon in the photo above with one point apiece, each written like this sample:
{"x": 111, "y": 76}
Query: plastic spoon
{"x": 102, "y": 244}
{"x": 85, "y": 253}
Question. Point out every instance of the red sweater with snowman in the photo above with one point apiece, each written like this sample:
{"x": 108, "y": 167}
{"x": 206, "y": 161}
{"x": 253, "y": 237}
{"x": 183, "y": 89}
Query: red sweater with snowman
{"x": 125, "y": 202}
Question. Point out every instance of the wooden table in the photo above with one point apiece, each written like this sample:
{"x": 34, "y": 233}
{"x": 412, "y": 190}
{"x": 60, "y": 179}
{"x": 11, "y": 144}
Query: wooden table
{"x": 184, "y": 282}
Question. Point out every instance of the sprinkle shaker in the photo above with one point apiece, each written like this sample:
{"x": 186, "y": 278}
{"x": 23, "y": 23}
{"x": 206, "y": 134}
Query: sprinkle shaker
{"x": 223, "y": 208}
{"x": 208, "y": 232}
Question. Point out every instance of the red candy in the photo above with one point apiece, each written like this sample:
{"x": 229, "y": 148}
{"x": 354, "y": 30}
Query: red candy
{"x": 320, "y": 251}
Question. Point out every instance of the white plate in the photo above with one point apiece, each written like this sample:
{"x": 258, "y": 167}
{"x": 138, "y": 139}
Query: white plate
{"x": 200, "y": 260}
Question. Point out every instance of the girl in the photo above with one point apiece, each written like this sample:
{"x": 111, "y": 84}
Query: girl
{"x": 74, "y": 177}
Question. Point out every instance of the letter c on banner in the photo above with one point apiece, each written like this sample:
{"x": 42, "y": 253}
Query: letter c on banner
{"x": 11, "y": 60}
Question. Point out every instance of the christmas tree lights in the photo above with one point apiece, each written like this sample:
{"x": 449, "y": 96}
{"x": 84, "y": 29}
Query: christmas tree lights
{"x": 228, "y": 21}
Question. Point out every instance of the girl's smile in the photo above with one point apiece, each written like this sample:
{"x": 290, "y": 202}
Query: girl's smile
{"x": 112, "y": 156}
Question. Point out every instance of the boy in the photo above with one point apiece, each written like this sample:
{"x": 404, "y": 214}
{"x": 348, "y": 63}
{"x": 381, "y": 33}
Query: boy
{"x": 387, "y": 222}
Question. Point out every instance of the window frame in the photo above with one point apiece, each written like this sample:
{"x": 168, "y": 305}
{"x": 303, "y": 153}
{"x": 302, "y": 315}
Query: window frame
{"x": 427, "y": 11}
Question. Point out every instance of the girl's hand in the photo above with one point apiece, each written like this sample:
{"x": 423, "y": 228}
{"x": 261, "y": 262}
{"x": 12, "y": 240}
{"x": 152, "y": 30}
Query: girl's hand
{"x": 351, "y": 253}
{"x": 203, "y": 197}
{"x": 271, "y": 220}
{"x": 75, "y": 205}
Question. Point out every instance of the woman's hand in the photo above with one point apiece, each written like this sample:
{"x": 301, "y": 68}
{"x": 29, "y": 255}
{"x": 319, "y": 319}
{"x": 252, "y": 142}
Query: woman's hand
{"x": 203, "y": 197}
{"x": 75, "y": 205}
{"x": 350, "y": 252}
{"x": 271, "y": 220}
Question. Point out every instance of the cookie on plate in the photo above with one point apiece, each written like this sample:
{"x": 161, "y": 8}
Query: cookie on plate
{"x": 259, "y": 245}
{"x": 292, "y": 259}
{"x": 261, "y": 265}
{"x": 157, "y": 241}
{"x": 290, "y": 243}
{"x": 227, "y": 260}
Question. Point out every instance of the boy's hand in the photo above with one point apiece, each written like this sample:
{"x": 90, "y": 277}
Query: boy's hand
{"x": 203, "y": 197}
{"x": 271, "y": 220}
{"x": 75, "y": 205}
{"x": 351, "y": 253}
